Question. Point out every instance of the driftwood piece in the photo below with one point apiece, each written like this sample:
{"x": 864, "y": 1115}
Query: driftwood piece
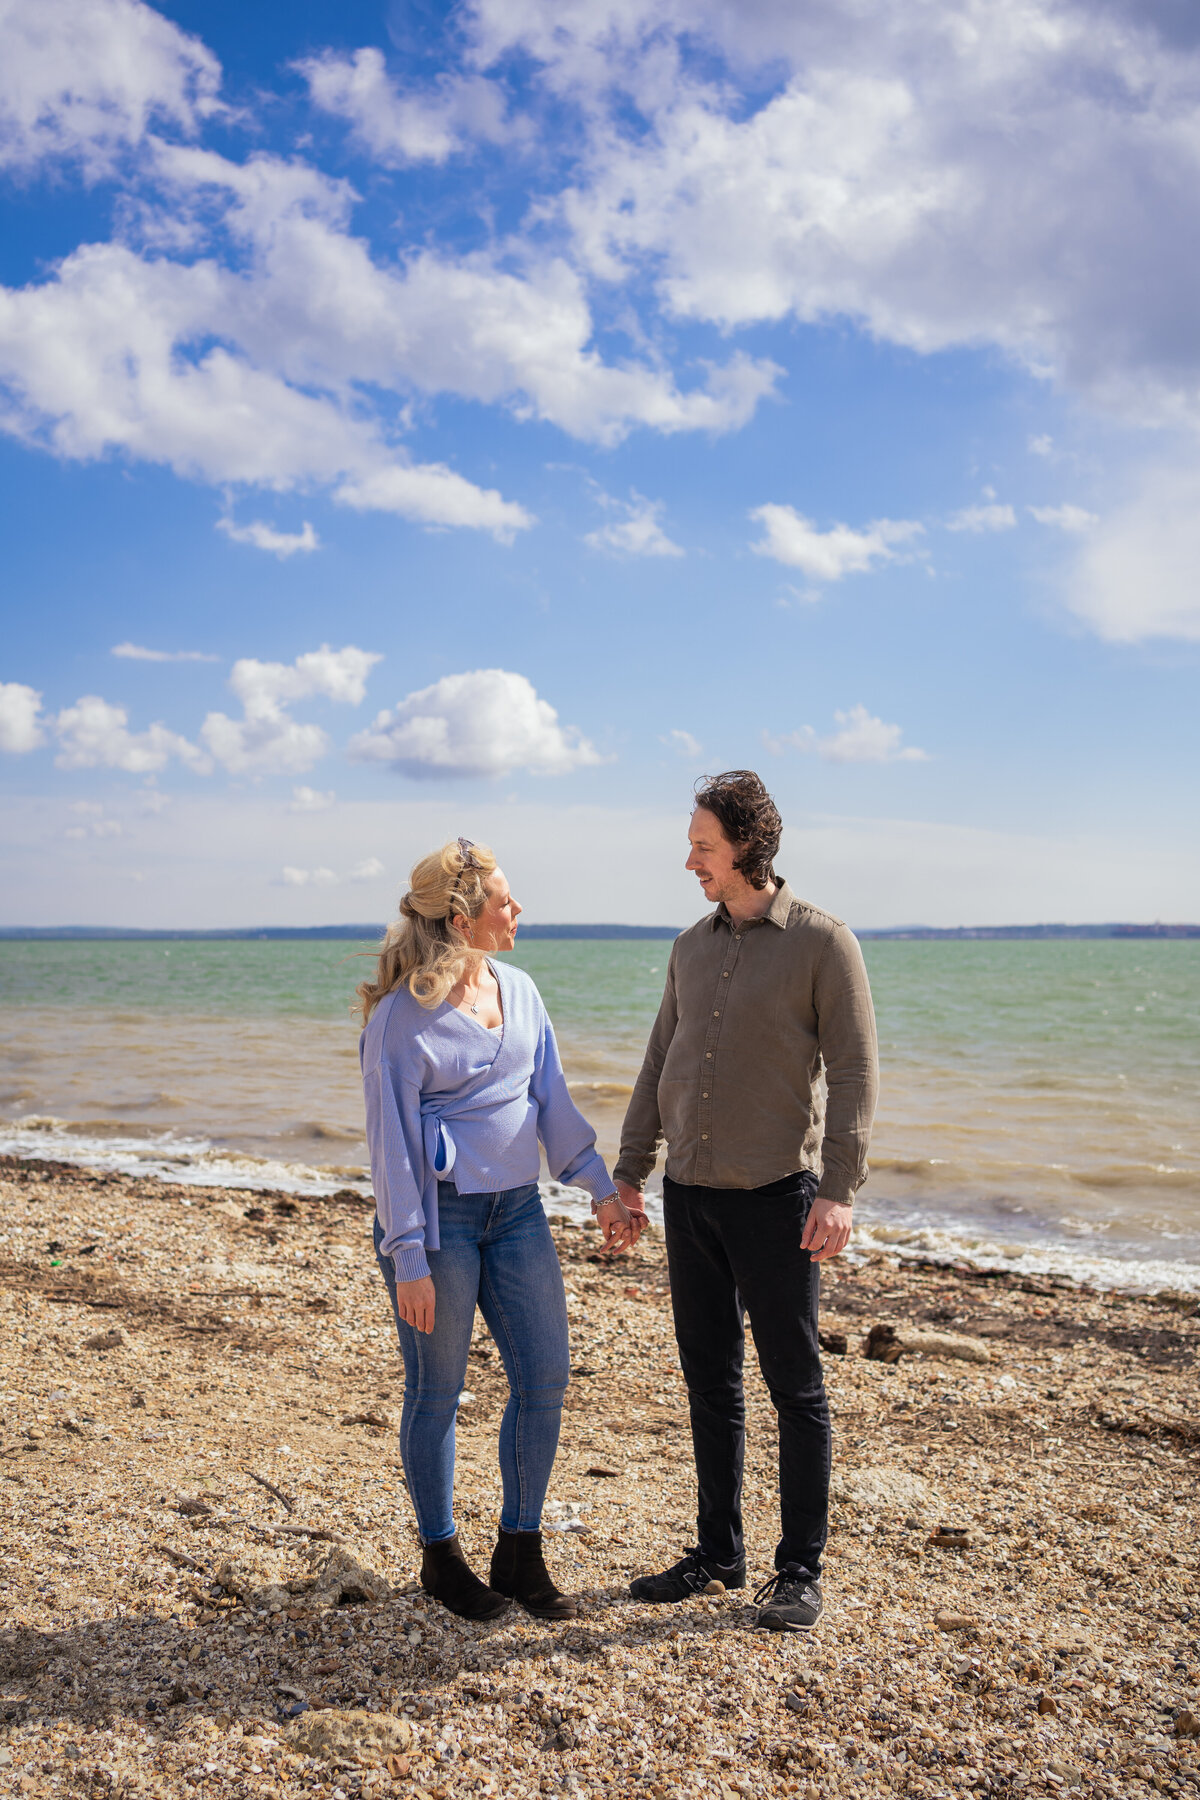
{"x": 285, "y": 1500}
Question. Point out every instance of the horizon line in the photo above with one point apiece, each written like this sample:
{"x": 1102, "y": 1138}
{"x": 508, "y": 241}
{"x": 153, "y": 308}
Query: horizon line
{"x": 1157, "y": 928}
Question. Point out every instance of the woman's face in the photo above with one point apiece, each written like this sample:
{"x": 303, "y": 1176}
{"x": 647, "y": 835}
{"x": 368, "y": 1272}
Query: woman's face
{"x": 495, "y": 928}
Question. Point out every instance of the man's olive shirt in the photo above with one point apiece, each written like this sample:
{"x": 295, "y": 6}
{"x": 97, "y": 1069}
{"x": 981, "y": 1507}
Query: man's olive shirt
{"x": 752, "y": 1015}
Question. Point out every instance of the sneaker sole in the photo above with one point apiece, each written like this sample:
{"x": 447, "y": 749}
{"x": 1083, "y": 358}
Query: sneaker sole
{"x": 769, "y": 1624}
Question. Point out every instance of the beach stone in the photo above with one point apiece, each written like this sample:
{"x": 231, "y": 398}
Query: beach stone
{"x": 953, "y": 1621}
{"x": 1047, "y": 1706}
{"x": 1187, "y": 1725}
{"x": 882, "y": 1490}
{"x": 888, "y": 1343}
{"x": 341, "y": 1579}
{"x": 350, "y": 1735}
{"x": 104, "y": 1340}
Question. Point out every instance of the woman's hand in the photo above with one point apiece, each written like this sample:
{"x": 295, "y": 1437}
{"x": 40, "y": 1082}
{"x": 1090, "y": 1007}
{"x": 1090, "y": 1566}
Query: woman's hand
{"x": 622, "y": 1220}
{"x": 416, "y": 1300}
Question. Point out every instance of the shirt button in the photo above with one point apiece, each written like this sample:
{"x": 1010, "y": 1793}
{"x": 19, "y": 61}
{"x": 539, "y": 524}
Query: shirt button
{"x": 716, "y": 1015}
{"x": 725, "y": 974}
{"x": 704, "y": 1096}
{"x": 704, "y": 1134}
{"x": 708, "y": 1056}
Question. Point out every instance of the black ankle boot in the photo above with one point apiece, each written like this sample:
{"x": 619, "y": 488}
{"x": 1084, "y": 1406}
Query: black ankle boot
{"x": 446, "y": 1574}
{"x": 519, "y": 1570}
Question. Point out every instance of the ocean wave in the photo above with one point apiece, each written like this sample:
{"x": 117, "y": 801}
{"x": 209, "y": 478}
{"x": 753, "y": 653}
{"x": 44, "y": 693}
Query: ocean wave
{"x": 969, "y": 1176}
{"x": 1132, "y": 1274}
{"x": 602, "y": 1090}
{"x": 319, "y": 1128}
{"x": 1122, "y": 1175}
{"x": 191, "y": 1162}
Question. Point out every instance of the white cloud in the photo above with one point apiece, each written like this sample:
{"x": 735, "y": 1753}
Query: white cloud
{"x": 1042, "y": 445}
{"x": 929, "y": 173}
{"x": 485, "y": 722}
{"x": 139, "y": 653}
{"x": 266, "y": 740}
{"x": 97, "y": 825}
{"x": 95, "y": 735}
{"x": 264, "y": 687}
{"x": 1066, "y": 517}
{"x": 370, "y": 869}
{"x": 20, "y": 718}
{"x": 637, "y": 532}
{"x": 293, "y": 877}
{"x": 435, "y": 495}
{"x": 862, "y": 738}
{"x": 102, "y": 358}
{"x": 403, "y": 128}
{"x": 85, "y": 79}
{"x": 684, "y": 743}
{"x": 829, "y": 555}
{"x": 990, "y": 517}
{"x": 1135, "y": 577}
{"x": 264, "y": 537}
{"x": 307, "y": 800}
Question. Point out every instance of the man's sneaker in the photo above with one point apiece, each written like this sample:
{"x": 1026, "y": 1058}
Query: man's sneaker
{"x": 793, "y": 1600}
{"x": 693, "y": 1574}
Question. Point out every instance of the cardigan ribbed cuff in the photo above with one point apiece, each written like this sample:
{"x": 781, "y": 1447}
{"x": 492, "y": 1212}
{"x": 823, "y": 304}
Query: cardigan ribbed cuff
{"x": 594, "y": 1179}
{"x": 410, "y": 1262}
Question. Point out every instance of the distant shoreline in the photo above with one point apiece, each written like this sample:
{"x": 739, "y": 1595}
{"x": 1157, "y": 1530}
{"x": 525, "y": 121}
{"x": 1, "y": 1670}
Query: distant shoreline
{"x": 372, "y": 932}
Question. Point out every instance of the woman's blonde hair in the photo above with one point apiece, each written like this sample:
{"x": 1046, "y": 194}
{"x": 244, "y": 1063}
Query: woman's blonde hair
{"x": 422, "y": 948}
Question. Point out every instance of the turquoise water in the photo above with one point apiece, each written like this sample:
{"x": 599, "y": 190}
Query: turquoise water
{"x": 1041, "y": 1094}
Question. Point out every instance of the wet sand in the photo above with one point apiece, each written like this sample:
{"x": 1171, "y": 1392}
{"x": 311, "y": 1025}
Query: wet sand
{"x": 164, "y": 1346}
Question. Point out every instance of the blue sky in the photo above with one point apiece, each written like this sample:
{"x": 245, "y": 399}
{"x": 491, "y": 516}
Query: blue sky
{"x": 421, "y": 419}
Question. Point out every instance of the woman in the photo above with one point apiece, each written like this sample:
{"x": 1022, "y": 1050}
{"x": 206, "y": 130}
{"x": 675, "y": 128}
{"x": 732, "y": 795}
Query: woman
{"x": 462, "y": 1077}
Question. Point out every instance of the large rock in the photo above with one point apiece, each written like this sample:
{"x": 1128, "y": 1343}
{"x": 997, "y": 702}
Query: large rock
{"x": 888, "y": 1343}
{"x": 882, "y": 1490}
{"x": 350, "y": 1736}
{"x": 338, "y": 1579}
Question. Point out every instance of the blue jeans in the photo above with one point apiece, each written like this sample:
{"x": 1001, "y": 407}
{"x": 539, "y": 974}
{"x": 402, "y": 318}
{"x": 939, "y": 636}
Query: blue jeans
{"x": 496, "y": 1253}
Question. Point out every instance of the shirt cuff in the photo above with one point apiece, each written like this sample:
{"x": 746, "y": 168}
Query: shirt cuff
{"x": 410, "y": 1263}
{"x": 634, "y": 1170}
{"x": 836, "y": 1189}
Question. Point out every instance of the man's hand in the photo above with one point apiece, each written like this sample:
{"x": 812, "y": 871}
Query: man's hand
{"x": 416, "y": 1300}
{"x": 828, "y": 1228}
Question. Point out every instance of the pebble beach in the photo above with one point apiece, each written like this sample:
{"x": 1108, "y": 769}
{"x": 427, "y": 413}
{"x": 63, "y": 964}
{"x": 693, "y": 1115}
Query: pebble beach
{"x": 209, "y": 1562}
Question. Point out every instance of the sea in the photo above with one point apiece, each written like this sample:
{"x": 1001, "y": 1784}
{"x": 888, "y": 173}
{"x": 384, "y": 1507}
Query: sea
{"x": 1040, "y": 1104}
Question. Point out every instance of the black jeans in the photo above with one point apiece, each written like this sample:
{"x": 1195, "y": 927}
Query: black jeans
{"x": 731, "y": 1251}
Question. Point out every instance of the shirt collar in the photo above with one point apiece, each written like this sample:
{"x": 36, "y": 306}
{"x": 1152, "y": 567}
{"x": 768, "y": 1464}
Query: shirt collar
{"x": 777, "y": 913}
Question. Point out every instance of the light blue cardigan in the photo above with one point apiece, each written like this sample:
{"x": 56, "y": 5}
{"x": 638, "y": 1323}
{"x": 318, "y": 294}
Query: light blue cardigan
{"x": 448, "y": 1099}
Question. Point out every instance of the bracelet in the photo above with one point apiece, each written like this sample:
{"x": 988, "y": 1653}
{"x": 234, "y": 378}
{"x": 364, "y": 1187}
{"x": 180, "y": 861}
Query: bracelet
{"x": 608, "y": 1200}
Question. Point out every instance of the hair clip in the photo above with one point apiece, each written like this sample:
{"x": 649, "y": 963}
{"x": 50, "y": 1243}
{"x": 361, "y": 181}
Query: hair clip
{"x": 467, "y": 851}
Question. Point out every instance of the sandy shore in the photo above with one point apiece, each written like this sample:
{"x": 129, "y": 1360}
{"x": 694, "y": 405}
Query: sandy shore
{"x": 163, "y": 1346}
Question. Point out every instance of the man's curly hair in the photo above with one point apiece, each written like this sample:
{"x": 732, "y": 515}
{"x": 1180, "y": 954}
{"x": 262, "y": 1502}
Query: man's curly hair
{"x": 749, "y": 818}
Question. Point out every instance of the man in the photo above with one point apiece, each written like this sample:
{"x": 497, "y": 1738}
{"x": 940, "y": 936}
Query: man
{"x": 761, "y": 998}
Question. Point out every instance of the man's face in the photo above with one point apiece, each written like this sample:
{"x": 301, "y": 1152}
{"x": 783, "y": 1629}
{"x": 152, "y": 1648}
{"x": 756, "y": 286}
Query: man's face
{"x": 711, "y": 858}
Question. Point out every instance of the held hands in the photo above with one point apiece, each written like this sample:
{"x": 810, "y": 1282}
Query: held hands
{"x": 622, "y": 1220}
{"x": 827, "y": 1229}
{"x": 415, "y": 1300}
